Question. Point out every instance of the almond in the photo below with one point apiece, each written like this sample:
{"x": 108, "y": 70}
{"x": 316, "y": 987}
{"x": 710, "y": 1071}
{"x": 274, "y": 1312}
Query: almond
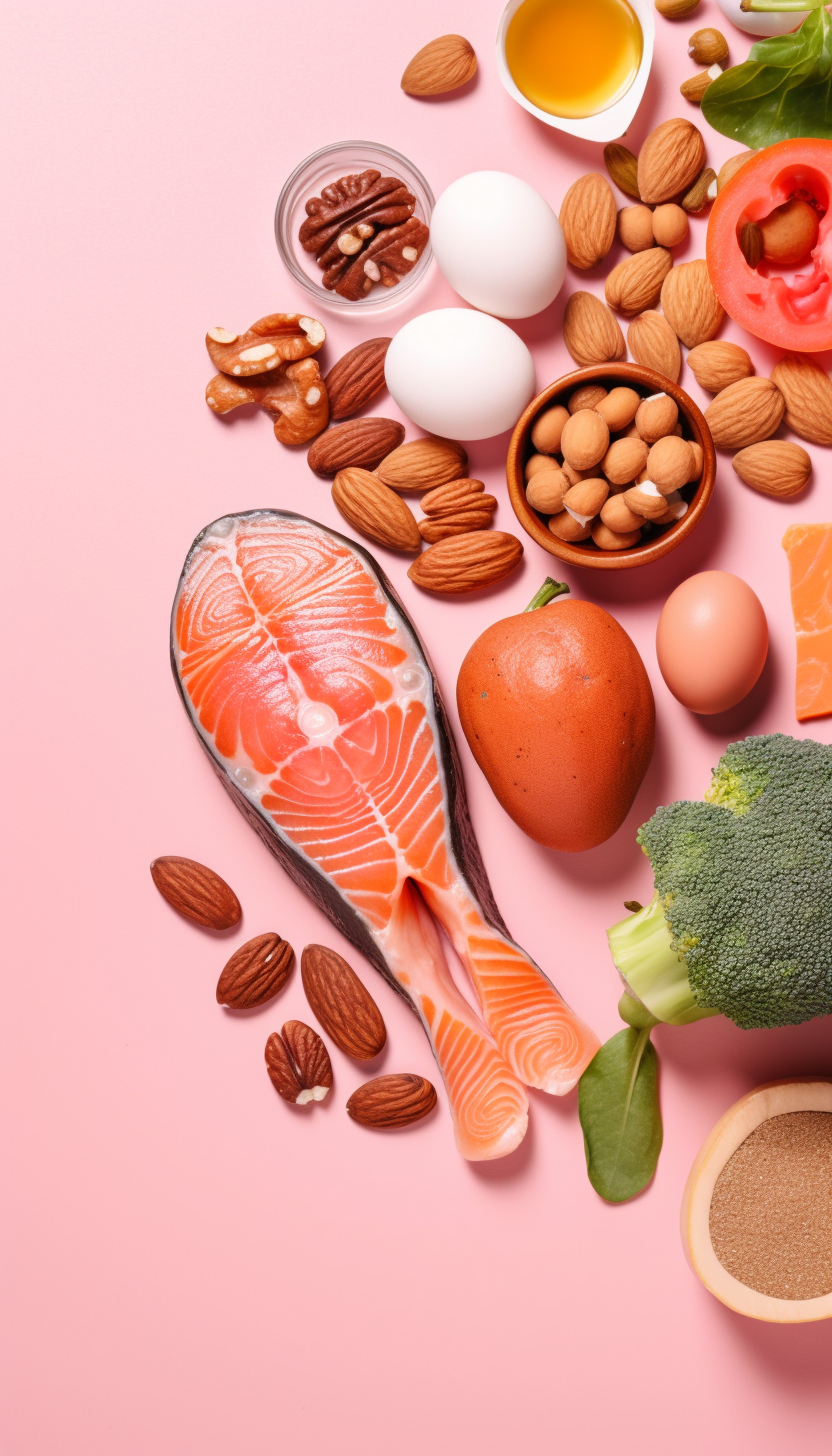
{"x": 375, "y": 510}
{"x": 624, "y": 460}
{"x": 363, "y": 443}
{"x": 623, "y": 168}
{"x": 689, "y": 303}
{"x": 298, "y": 1064}
{"x": 670, "y": 464}
{"x": 670, "y": 160}
{"x": 466, "y": 563}
{"x": 567, "y": 528}
{"x": 701, "y": 193}
{"x": 807, "y": 390}
{"x": 442, "y": 65}
{"x": 585, "y": 439}
{"x": 587, "y": 216}
{"x": 616, "y": 514}
{"x": 587, "y": 397}
{"x": 618, "y": 408}
{"x": 730, "y": 169}
{"x": 745, "y": 413}
{"x": 645, "y": 500}
{"x": 423, "y": 464}
{"x": 657, "y": 415}
{"x": 255, "y": 973}
{"x": 392, "y": 1101}
{"x": 654, "y": 344}
{"x": 718, "y": 363}
{"x": 357, "y": 378}
{"x": 590, "y": 332}
{"x": 432, "y": 530}
{"x": 774, "y": 467}
{"x": 636, "y": 283}
{"x": 196, "y": 892}
{"x": 342, "y": 1003}
{"x": 456, "y": 495}
{"x": 454, "y": 508}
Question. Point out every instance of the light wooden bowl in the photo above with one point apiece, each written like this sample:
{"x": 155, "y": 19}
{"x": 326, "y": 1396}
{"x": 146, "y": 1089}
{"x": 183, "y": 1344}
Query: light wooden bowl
{"x": 794, "y": 1094}
{"x": 648, "y": 382}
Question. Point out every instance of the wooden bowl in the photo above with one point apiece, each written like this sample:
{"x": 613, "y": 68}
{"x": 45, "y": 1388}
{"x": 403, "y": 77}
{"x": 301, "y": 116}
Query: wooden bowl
{"x": 648, "y": 382}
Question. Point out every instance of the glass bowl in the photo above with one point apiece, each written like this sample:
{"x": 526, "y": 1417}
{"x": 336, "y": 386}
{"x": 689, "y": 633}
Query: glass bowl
{"x": 317, "y": 171}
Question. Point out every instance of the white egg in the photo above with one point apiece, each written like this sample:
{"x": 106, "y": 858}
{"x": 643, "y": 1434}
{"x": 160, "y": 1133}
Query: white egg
{"x": 771, "y": 23}
{"x": 459, "y": 373}
{"x": 499, "y": 244}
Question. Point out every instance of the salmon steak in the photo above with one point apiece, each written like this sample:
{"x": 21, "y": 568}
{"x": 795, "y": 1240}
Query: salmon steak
{"x": 313, "y": 697}
{"x": 809, "y": 549}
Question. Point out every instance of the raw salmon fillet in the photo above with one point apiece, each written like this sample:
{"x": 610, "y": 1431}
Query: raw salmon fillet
{"x": 313, "y": 697}
{"x": 809, "y": 549}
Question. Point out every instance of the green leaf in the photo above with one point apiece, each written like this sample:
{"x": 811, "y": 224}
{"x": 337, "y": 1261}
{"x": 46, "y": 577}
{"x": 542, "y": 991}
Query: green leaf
{"x": 618, "y": 1104}
{"x": 783, "y": 90}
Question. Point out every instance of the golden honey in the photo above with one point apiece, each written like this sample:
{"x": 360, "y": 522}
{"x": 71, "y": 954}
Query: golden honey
{"x": 573, "y": 57}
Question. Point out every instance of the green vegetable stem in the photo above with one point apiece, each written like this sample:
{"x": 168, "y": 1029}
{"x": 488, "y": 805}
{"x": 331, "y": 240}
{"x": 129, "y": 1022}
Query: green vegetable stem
{"x": 784, "y": 89}
{"x": 547, "y": 593}
{"x": 740, "y": 924}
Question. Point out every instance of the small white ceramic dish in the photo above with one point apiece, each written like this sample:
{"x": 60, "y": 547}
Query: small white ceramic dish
{"x": 603, "y": 126}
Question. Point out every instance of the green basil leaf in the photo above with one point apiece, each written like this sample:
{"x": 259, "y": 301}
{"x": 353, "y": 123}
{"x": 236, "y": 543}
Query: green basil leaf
{"x": 783, "y": 90}
{"x": 618, "y": 1104}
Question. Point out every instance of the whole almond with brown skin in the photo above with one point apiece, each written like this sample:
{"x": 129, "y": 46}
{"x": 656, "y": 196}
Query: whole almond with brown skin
{"x": 439, "y": 528}
{"x": 807, "y": 390}
{"x": 392, "y": 1101}
{"x": 342, "y": 1003}
{"x": 689, "y": 303}
{"x": 623, "y": 168}
{"x": 590, "y": 332}
{"x": 423, "y": 464}
{"x": 636, "y": 283}
{"x": 653, "y": 343}
{"x": 442, "y": 65}
{"x": 466, "y": 563}
{"x": 357, "y": 378}
{"x": 196, "y": 892}
{"x": 774, "y": 467}
{"x": 455, "y": 508}
{"x": 375, "y": 510}
{"x": 745, "y": 413}
{"x": 298, "y": 1064}
{"x": 701, "y": 193}
{"x": 357, "y": 442}
{"x": 456, "y": 495}
{"x": 255, "y": 973}
{"x": 670, "y": 160}
{"x": 587, "y": 217}
{"x": 730, "y": 169}
{"x": 718, "y": 363}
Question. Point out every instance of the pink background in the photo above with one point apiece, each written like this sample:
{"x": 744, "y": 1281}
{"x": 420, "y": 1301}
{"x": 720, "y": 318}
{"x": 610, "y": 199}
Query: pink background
{"x": 192, "y": 1267}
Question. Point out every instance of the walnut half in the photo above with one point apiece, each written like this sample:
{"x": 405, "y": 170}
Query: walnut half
{"x": 295, "y": 396}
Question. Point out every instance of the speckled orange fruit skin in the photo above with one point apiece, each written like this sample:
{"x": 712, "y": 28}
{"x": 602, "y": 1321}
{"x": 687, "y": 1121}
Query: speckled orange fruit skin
{"x": 558, "y": 711}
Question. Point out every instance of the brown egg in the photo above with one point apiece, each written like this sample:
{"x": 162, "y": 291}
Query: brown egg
{"x": 712, "y": 641}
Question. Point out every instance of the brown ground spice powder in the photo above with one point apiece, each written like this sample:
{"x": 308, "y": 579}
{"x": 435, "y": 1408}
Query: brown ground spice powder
{"x": 771, "y": 1210}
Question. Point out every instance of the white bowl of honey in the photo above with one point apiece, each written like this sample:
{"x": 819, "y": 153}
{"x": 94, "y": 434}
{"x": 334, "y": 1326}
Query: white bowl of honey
{"x": 578, "y": 65}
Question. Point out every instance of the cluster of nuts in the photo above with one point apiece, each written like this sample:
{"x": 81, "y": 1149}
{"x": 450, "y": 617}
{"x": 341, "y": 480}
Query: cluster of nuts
{"x": 610, "y": 466}
{"x": 362, "y": 231}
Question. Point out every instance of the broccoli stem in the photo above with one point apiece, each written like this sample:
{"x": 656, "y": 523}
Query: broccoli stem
{"x": 654, "y": 975}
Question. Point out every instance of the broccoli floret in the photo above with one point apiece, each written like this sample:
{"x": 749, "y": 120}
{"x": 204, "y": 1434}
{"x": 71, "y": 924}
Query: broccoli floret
{"x": 741, "y": 921}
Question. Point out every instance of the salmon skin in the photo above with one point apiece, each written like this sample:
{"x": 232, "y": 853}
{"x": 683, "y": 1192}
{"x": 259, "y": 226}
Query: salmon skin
{"x": 313, "y": 697}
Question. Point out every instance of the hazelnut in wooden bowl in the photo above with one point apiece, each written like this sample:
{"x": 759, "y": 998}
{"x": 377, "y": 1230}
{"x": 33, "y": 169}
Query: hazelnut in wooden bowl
{"x": 610, "y": 467}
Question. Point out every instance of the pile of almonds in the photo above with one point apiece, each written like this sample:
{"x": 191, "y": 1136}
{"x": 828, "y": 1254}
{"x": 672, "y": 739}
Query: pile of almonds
{"x": 610, "y": 465}
{"x": 297, "y": 1060}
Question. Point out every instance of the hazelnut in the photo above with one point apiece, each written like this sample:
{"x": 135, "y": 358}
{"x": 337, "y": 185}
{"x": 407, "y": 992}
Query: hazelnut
{"x": 635, "y": 227}
{"x": 548, "y": 428}
{"x": 623, "y": 460}
{"x": 618, "y": 410}
{"x": 670, "y": 463}
{"x": 670, "y": 225}
{"x": 656, "y": 416}
{"x": 546, "y": 490}
{"x": 566, "y": 528}
{"x": 587, "y": 397}
{"x": 708, "y": 46}
{"x": 608, "y": 540}
{"x": 585, "y": 439}
{"x": 616, "y": 514}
